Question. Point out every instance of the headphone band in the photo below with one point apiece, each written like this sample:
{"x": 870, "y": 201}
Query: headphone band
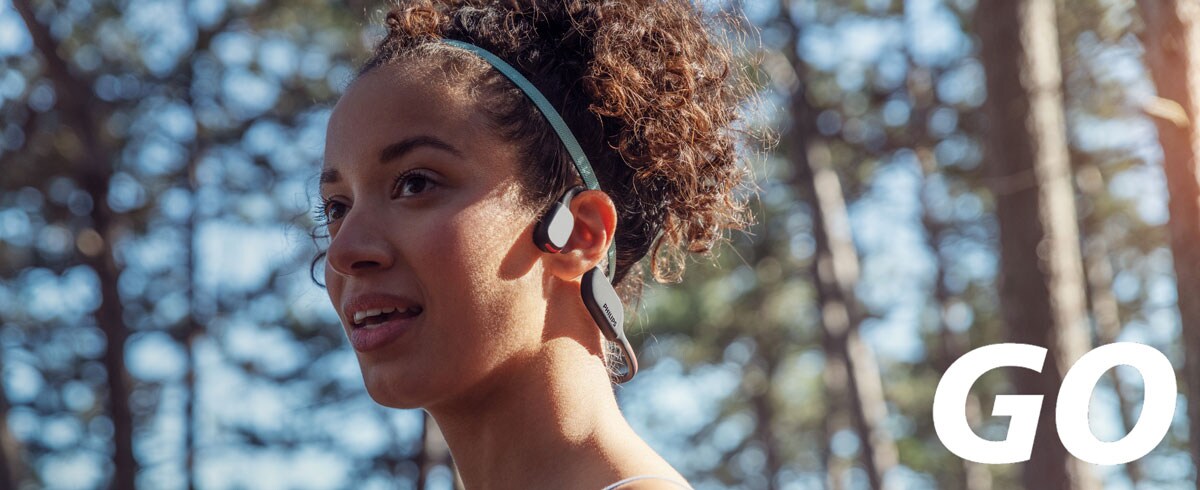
{"x": 582, "y": 165}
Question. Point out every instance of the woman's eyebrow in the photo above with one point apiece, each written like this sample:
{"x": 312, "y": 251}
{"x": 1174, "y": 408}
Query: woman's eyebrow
{"x": 329, "y": 176}
{"x": 398, "y": 149}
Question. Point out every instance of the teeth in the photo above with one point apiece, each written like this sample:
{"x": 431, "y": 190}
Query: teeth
{"x": 364, "y": 314}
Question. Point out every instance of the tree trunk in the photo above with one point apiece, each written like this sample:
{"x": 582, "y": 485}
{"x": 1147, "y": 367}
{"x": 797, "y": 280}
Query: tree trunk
{"x": 110, "y": 318}
{"x": 764, "y": 411}
{"x": 421, "y": 459}
{"x": 835, "y": 271}
{"x": 95, "y": 168}
{"x": 1041, "y": 283}
{"x": 433, "y": 453}
{"x": 834, "y": 377}
{"x": 193, "y": 329}
{"x": 1106, "y": 311}
{"x": 919, "y": 86}
{"x": 951, "y": 345}
{"x": 769, "y": 340}
{"x": 10, "y": 450}
{"x": 1172, "y": 41}
{"x": 1098, "y": 274}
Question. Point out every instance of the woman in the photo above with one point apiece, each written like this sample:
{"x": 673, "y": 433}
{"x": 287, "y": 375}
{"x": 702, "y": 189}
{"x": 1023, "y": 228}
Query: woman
{"x": 445, "y": 181}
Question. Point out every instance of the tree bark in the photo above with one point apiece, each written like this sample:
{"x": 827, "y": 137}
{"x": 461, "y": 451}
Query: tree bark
{"x": 1172, "y": 42}
{"x": 1105, "y": 309}
{"x": 1102, "y": 303}
{"x": 760, "y": 375}
{"x": 433, "y": 453}
{"x": 764, "y": 412}
{"x": 834, "y": 377}
{"x": 919, "y": 86}
{"x": 951, "y": 345}
{"x": 835, "y": 272}
{"x": 1041, "y": 283}
{"x": 193, "y": 330}
{"x": 422, "y": 459}
{"x": 10, "y": 450}
{"x": 95, "y": 166}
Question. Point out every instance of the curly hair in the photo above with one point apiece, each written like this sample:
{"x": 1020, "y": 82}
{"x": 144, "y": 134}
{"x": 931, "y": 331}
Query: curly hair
{"x": 645, "y": 88}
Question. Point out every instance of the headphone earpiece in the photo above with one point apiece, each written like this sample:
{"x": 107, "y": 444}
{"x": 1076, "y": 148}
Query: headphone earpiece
{"x": 554, "y": 229}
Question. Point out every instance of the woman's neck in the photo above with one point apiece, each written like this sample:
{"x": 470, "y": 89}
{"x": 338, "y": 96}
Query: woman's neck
{"x": 551, "y": 421}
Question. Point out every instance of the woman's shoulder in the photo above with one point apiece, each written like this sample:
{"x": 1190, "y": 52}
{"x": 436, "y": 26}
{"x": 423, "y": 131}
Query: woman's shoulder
{"x": 648, "y": 482}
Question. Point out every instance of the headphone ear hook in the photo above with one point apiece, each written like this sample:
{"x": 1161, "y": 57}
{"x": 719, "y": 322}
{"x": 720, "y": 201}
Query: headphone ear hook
{"x": 605, "y": 306}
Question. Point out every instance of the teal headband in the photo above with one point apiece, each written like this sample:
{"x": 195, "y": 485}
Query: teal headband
{"x": 582, "y": 166}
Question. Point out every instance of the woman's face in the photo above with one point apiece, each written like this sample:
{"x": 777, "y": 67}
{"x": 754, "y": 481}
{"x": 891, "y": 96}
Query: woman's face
{"x": 426, "y": 219}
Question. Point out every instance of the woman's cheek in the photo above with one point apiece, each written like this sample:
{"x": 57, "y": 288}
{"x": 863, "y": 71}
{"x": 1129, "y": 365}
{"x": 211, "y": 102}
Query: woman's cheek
{"x": 490, "y": 236}
{"x": 481, "y": 235}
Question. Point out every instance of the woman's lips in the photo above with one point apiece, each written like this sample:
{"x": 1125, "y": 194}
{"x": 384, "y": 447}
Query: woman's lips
{"x": 370, "y": 334}
{"x": 366, "y": 339}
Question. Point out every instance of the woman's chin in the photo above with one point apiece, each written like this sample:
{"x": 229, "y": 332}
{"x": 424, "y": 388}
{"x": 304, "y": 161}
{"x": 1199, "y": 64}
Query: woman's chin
{"x": 391, "y": 400}
{"x": 395, "y": 388}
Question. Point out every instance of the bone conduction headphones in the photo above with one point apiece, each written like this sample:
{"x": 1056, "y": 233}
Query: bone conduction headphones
{"x": 555, "y": 227}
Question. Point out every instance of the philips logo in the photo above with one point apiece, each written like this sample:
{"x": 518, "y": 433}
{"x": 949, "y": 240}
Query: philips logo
{"x": 611, "y": 319}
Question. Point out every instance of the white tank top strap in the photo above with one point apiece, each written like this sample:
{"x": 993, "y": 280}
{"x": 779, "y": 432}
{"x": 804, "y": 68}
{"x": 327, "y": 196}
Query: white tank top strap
{"x": 646, "y": 477}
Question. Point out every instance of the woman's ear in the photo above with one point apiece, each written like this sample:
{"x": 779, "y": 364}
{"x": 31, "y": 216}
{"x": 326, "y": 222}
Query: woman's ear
{"x": 595, "y": 218}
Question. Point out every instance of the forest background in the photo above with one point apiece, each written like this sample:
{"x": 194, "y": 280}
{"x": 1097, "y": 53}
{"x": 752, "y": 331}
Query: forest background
{"x": 948, "y": 174}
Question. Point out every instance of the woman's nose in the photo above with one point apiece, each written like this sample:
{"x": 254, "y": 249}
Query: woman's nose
{"x": 359, "y": 247}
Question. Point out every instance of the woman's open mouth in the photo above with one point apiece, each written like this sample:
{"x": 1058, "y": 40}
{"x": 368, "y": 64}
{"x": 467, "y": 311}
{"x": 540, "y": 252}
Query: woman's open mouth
{"x": 375, "y": 328}
{"x": 375, "y": 318}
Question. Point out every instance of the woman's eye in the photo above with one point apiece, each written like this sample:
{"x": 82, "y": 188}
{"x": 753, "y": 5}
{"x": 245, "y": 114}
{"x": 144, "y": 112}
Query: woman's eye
{"x": 334, "y": 210}
{"x": 410, "y": 184}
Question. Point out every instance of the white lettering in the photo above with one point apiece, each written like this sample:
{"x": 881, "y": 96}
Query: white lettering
{"x": 1071, "y": 412}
